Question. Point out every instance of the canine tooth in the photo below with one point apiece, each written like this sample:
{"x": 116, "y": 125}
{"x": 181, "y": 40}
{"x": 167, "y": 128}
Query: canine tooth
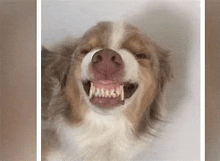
{"x": 91, "y": 91}
{"x": 122, "y": 92}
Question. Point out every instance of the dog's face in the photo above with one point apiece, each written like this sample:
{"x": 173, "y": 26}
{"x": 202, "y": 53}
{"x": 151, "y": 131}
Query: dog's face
{"x": 115, "y": 69}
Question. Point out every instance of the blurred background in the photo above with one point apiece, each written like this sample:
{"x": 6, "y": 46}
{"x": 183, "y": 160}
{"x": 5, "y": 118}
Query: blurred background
{"x": 17, "y": 80}
{"x": 212, "y": 80}
{"x": 175, "y": 24}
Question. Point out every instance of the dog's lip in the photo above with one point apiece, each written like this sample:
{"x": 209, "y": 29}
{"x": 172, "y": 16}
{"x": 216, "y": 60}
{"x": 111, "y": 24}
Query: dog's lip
{"x": 128, "y": 87}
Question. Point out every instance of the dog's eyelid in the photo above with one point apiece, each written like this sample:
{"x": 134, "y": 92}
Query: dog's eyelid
{"x": 142, "y": 56}
{"x": 84, "y": 51}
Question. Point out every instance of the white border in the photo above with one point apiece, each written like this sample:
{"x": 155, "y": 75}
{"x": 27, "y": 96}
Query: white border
{"x": 38, "y": 156}
{"x": 202, "y": 80}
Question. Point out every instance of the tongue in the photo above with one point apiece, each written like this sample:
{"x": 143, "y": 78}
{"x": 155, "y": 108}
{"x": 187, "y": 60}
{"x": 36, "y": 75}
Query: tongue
{"x": 106, "y": 101}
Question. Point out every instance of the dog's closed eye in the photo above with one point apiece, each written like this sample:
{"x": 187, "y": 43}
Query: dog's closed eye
{"x": 142, "y": 56}
{"x": 84, "y": 52}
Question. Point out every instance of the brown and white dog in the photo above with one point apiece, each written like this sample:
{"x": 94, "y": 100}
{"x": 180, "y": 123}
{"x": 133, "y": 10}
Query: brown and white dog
{"x": 101, "y": 94}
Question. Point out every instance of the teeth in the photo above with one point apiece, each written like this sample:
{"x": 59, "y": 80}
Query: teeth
{"x": 102, "y": 92}
{"x": 97, "y": 92}
{"x": 107, "y": 94}
{"x": 122, "y": 93}
{"x": 118, "y": 92}
{"x": 112, "y": 93}
{"x": 91, "y": 92}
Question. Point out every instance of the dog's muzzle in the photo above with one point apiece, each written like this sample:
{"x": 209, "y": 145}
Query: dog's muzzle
{"x": 107, "y": 89}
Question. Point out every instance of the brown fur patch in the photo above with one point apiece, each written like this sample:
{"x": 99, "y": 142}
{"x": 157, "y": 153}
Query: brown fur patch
{"x": 138, "y": 43}
{"x": 77, "y": 107}
{"x": 154, "y": 72}
{"x": 142, "y": 105}
{"x": 96, "y": 37}
{"x": 73, "y": 112}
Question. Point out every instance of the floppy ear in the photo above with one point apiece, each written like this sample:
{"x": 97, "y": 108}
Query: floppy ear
{"x": 54, "y": 73}
{"x": 164, "y": 68}
{"x": 57, "y": 64}
{"x": 152, "y": 113}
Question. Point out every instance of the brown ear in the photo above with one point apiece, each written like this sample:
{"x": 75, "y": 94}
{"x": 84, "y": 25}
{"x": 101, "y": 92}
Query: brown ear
{"x": 57, "y": 64}
{"x": 164, "y": 75}
{"x": 54, "y": 73}
{"x": 164, "y": 68}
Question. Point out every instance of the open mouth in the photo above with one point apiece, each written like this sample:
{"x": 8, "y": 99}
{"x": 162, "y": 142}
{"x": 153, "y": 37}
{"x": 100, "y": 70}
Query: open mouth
{"x": 106, "y": 93}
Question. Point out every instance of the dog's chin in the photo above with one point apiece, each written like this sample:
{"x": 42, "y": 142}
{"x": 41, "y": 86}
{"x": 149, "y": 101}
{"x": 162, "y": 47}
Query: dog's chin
{"x": 107, "y": 95}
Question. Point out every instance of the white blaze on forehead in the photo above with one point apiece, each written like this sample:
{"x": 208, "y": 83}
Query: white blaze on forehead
{"x": 117, "y": 35}
{"x": 130, "y": 63}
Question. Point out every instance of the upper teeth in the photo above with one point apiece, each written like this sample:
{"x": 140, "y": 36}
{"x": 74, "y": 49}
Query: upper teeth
{"x": 102, "y": 92}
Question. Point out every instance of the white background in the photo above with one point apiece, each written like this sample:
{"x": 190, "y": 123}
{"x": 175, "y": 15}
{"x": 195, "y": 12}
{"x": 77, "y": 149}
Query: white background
{"x": 174, "y": 24}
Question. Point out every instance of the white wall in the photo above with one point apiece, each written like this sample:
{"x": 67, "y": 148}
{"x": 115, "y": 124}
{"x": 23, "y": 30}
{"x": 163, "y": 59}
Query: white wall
{"x": 173, "y": 23}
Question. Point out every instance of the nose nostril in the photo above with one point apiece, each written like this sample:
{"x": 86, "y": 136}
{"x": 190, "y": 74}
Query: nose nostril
{"x": 97, "y": 59}
{"x": 113, "y": 59}
{"x": 116, "y": 59}
{"x": 107, "y": 58}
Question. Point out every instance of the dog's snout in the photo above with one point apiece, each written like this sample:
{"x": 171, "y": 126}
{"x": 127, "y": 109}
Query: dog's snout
{"x": 108, "y": 57}
{"x": 107, "y": 62}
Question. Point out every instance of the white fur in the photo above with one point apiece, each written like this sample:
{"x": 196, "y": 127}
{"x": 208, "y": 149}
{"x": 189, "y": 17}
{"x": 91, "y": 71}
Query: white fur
{"x": 130, "y": 64}
{"x": 117, "y": 36}
{"x": 99, "y": 138}
{"x": 85, "y": 74}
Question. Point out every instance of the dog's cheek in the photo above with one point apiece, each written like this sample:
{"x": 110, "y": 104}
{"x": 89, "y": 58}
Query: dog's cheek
{"x": 74, "y": 97}
{"x": 144, "y": 97}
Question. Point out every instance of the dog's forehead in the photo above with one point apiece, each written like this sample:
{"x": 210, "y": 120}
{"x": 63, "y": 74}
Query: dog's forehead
{"x": 98, "y": 34}
{"x": 114, "y": 36}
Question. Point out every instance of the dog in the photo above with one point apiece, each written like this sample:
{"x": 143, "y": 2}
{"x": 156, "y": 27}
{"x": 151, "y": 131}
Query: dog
{"x": 101, "y": 94}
